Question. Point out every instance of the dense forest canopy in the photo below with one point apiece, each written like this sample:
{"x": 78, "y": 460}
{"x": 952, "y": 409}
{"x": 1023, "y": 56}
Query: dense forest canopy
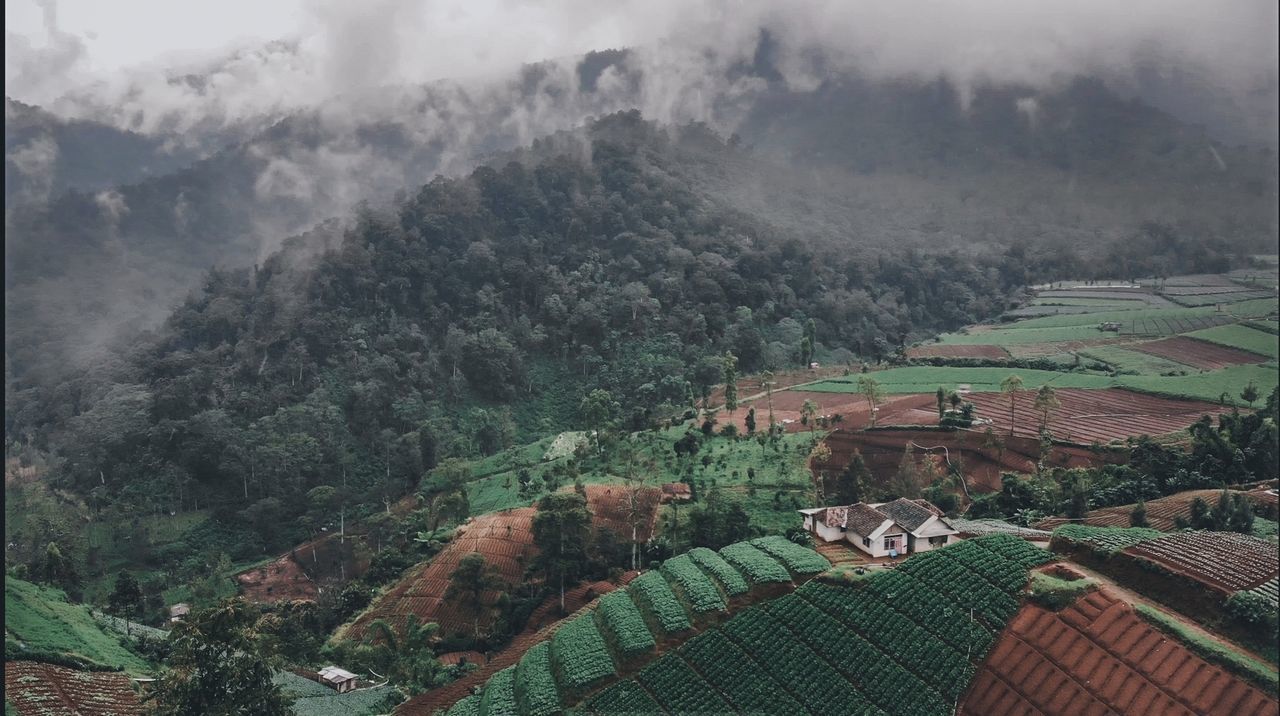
{"x": 479, "y": 311}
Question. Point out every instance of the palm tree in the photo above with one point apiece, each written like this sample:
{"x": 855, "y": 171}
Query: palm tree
{"x": 1012, "y": 386}
{"x": 872, "y": 391}
{"x": 407, "y": 658}
{"x": 809, "y": 413}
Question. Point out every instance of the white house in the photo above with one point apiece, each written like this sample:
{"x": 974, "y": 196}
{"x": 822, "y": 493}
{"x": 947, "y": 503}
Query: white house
{"x": 902, "y": 526}
{"x": 336, "y": 678}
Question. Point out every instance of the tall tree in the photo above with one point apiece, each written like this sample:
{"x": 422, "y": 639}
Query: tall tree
{"x": 809, "y": 414}
{"x": 941, "y": 397}
{"x": 1011, "y": 386}
{"x": 730, "y": 383}
{"x": 1138, "y": 516}
{"x": 562, "y": 532}
{"x": 126, "y": 598}
{"x": 1250, "y": 393}
{"x": 851, "y": 483}
{"x": 405, "y": 657}
{"x": 870, "y": 389}
{"x": 470, "y": 580}
{"x": 1046, "y": 402}
{"x": 217, "y": 668}
{"x": 598, "y": 411}
{"x": 750, "y": 421}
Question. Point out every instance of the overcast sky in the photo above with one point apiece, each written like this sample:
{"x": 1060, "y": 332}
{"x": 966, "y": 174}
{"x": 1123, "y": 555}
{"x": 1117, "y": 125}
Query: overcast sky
{"x": 107, "y": 59}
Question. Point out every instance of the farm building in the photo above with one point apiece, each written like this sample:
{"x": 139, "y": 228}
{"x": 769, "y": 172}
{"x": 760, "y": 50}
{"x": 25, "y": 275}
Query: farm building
{"x": 882, "y": 529}
{"x": 339, "y": 679}
{"x": 676, "y": 492}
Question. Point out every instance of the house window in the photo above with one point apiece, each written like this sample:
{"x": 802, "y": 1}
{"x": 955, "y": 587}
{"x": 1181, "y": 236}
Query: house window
{"x": 894, "y": 542}
{"x": 938, "y": 540}
{"x": 866, "y": 541}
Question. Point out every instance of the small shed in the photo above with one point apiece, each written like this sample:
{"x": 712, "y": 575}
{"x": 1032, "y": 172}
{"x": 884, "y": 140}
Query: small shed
{"x": 676, "y": 492}
{"x": 178, "y": 611}
{"x": 338, "y": 679}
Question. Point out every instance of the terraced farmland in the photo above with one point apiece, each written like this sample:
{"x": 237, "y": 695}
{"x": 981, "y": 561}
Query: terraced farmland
{"x": 594, "y": 646}
{"x": 1099, "y": 657}
{"x": 1224, "y": 561}
{"x": 1197, "y": 353}
{"x": 36, "y": 689}
{"x": 1244, "y": 338}
{"x": 1162, "y": 512}
{"x": 904, "y": 644}
{"x": 1088, "y": 415}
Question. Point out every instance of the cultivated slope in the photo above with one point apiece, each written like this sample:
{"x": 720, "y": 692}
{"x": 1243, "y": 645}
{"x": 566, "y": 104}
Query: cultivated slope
{"x": 904, "y": 642}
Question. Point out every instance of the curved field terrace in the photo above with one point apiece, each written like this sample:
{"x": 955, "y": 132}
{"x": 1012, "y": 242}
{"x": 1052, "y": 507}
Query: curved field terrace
{"x": 1162, "y": 513}
{"x": 1099, "y": 657}
{"x": 36, "y": 689}
{"x": 1197, "y": 353}
{"x": 1225, "y": 561}
{"x": 957, "y": 351}
{"x": 1085, "y": 416}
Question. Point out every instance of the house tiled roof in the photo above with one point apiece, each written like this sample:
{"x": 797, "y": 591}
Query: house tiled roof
{"x": 864, "y": 519}
{"x": 906, "y": 513}
{"x": 929, "y": 506}
{"x": 835, "y": 516}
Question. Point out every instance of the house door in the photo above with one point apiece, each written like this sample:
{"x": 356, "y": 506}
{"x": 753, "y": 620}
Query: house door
{"x": 893, "y": 543}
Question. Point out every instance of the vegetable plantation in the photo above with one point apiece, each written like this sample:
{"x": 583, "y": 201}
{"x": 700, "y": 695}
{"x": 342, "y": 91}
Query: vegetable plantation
{"x": 902, "y": 642}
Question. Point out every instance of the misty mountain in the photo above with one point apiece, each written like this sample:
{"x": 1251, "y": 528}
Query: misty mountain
{"x": 850, "y": 162}
{"x": 45, "y": 156}
{"x": 477, "y": 312}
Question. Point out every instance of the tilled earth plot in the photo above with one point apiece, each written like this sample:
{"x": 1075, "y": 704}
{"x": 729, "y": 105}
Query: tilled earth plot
{"x": 1088, "y": 415}
{"x": 33, "y": 688}
{"x": 1099, "y": 657}
{"x": 1197, "y": 353}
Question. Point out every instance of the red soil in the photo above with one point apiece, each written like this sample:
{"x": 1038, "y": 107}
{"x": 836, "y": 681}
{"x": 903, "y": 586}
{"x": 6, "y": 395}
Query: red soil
{"x": 1097, "y": 657}
{"x": 36, "y": 689}
{"x": 1225, "y": 561}
{"x": 947, "y": 351}
{"x": 506, "y": 541}
{"x": 541, "y": 626}
{"x": 1161, "y": 512}
{"x": 1197, "y": 353}
{"x": 1088, "y": 415}
{"x": 981, "y": 462}
{"x": 304, "y": 570}
{"x": 851, "y": 407}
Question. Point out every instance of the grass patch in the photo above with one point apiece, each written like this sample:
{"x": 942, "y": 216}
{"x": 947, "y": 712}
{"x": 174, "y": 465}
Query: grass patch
{"x": 1054, "y": 593}
{"x": 1123, "y": 359}
{"x": 1207, "y": 386}
{"x": 1247, "y": 667}
{"x": 42, "y": 619}
{"x": 1242, "y": 337}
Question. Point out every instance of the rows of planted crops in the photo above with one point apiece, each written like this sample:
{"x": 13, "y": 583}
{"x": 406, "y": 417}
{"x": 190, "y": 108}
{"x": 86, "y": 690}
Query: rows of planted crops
{"x": 903, "y": 642}
{"x": 627, "y": 624}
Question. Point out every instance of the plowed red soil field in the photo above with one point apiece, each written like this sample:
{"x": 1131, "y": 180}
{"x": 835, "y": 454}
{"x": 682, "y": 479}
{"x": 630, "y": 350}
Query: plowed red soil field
{"x": 299, "y": 573}
{"x": 506, "y": 541}
{"x": 852, "y": 409}
{"x": 981, "y": 462}
{"x": 1088, "y": 415}
{"x": 36, "y": 689}
{"x": 1099, "y": 657}
{"x": 1197, "y": 353}
{"x": 1161, "y": 513}
{"x": 1225, "y": 561}
{"x": 947, "y": 351}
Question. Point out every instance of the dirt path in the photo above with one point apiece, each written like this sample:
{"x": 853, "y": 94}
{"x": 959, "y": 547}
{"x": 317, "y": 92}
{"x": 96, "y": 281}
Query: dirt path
{"x": 1133, "y": 597}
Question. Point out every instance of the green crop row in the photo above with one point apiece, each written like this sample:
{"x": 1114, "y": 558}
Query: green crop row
{"x": 624, "y": 623}
{"x": 624, "y": 698}
{"x": 730, "y": 578}
{"x": 499, "y": 695}
{"x": 701, "y": 593}
{"x": 932, "y": 610}
{"x": 1016, "y": 550}
{"x": 580, "y": 653}
{"x": 1106, "y": 539}
{"x": 743, "y": 682}
{"x": 680, "y": 689}
{"x": 801, "y": 560}
{"x": 756, "y": 565}
{"x": 654, "y": 594}
{"x": 885, "y": 683}
{"x": 814, "y": 682}
{"x": 468, "y": 706}
{"x": 535, "y": 686}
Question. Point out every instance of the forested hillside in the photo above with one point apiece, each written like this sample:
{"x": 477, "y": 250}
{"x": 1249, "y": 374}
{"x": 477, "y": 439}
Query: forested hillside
{"x": 479, "y": 311}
